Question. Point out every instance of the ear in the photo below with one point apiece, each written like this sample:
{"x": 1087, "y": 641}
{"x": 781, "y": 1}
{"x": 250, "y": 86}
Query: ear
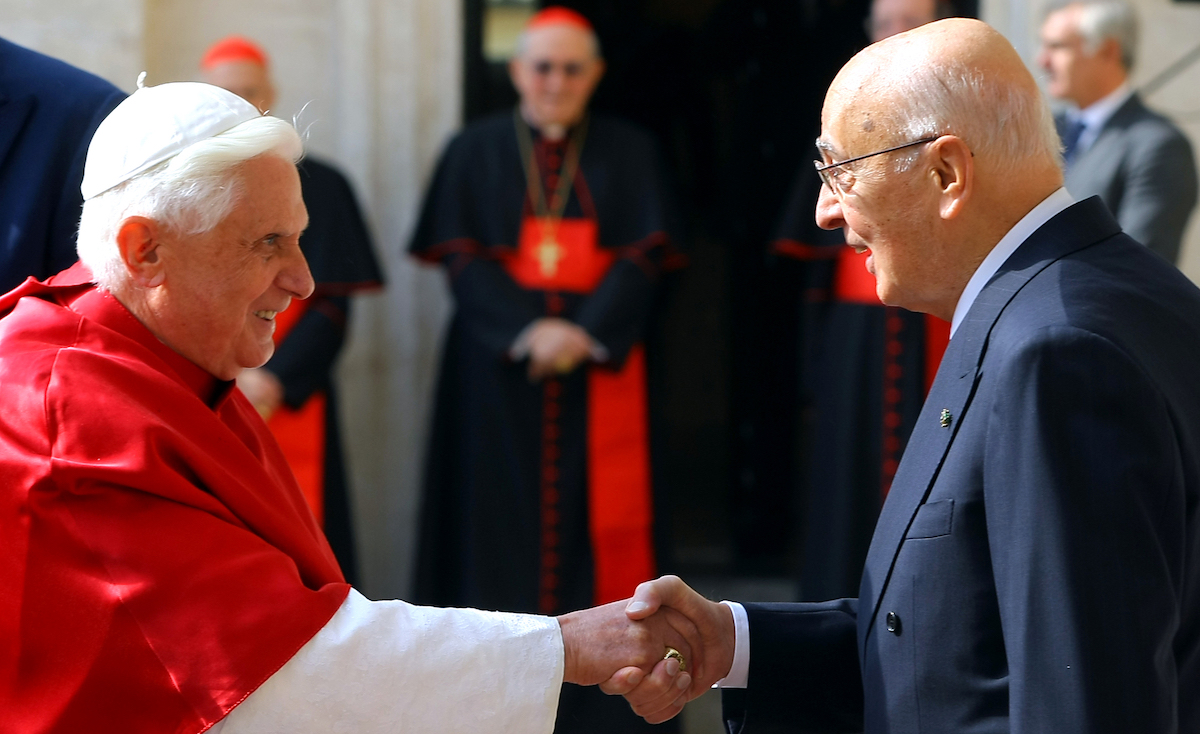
{"x": 599, "y": 70}
{"x": 1110, "y": 50}
{"x": 138, "y": 241}
{"x": 953, "y": 173}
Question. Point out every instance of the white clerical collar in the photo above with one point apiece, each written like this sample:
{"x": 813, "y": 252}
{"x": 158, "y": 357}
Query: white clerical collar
{"x": 1008, "y": 244}
{"x": 1097, "y": 114}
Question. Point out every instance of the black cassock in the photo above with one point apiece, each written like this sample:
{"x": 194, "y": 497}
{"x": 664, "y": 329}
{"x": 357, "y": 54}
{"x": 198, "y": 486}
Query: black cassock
{"x": 865, "y": 368}
{"x": 338, "y": 249}
{"x": 505, "y": 514}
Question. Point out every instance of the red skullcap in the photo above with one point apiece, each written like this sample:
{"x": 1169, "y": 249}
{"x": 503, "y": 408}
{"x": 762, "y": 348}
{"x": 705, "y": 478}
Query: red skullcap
{"x": 558, "y": 15}
{"x": 233, "y": 48}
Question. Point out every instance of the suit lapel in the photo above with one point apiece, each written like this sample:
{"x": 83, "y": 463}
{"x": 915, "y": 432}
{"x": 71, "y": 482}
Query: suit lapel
{"x": 1094, "y": 167}
{"x": 1076, "y": 227}
{"x": 13, "y": 113}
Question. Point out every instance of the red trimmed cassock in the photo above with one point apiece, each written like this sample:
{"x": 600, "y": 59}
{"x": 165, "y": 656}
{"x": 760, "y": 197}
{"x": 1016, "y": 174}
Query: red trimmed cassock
{"x": 867, "y": 368}
{"x": 538, "y": 496}
{"x": 159, "y": 562}
{"x": 308, "y": 340}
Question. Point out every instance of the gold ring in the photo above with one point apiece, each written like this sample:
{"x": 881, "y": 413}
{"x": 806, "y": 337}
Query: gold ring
{"x": 673, "y": 653}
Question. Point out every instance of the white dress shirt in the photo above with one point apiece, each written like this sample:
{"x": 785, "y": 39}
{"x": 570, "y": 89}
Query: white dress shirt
{"x": 1097, "y": 114}
{"x": 739, "y": 672}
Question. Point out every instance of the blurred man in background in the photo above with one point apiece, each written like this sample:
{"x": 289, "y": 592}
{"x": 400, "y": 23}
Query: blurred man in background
{"x": 294, "y": 392}
{"x": 1113, "y": 145}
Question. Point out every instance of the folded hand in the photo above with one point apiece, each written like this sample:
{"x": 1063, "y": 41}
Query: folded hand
{"x": 556, "y": 346}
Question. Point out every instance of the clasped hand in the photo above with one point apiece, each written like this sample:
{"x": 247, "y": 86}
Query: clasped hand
{"x": 556, "y": 346}
{"x": 621, "y": 647}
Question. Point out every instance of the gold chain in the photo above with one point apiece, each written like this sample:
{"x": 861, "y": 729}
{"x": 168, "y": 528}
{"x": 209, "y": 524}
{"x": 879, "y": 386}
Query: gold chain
{"x": 533, "y": 179}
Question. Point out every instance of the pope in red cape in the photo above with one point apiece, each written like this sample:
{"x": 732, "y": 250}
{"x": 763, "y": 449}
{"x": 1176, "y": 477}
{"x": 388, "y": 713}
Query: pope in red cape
{"x": 160, "y": 570}
{"x": 145, "y": 501}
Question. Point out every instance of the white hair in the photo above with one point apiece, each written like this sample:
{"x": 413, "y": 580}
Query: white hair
{"x": 1008, "y": 125}
{"x": 1100, "y": 20}
{"x": 189, "y": 193}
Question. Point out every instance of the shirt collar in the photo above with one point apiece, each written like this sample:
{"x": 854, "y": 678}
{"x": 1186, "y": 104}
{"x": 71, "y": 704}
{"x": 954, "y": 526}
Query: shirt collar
{"x": 1008, "y": 244}
{"x": 1097, "y": 113}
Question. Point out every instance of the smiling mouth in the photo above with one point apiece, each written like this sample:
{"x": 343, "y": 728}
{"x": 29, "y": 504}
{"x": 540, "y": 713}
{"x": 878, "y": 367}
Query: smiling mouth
{"x": 268, "y": 315}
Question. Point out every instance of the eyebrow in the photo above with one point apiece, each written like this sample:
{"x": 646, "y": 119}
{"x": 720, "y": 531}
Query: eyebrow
{"x": 827, "y": 147}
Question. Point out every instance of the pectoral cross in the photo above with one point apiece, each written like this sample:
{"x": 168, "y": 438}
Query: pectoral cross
{"x": 549, "y": 254}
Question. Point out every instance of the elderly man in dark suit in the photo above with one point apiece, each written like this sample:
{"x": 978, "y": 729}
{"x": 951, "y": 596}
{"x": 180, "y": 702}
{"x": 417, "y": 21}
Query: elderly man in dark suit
{"x": 48, "y": 112}
{"x": 1114, "y": 147}
{"x": 1036, "y": 567}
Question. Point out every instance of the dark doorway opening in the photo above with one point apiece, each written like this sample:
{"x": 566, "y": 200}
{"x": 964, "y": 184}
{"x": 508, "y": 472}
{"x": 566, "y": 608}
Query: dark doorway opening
{"x": 732, "y": 90}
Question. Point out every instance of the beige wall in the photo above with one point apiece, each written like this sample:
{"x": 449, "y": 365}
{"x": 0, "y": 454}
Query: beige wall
{"x": 381, "y": 81}
{"x": 1169, "y": 31}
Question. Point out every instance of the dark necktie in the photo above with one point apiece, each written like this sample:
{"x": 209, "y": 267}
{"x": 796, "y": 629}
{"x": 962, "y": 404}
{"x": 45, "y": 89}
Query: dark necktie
{"x": 1070, "y": 139}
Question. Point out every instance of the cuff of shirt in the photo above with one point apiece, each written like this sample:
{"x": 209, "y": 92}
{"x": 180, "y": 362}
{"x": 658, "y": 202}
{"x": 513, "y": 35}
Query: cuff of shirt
{"x": 739, "y": 672}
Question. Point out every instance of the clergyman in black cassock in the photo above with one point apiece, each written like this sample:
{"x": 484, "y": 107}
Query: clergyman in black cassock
{"x": 537, "y": 492}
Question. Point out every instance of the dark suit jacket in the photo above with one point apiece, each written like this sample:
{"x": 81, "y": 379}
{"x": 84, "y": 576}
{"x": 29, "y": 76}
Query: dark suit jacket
{"x": 1036, "y": 567}
{"x": 1142, "y": 166}
{"x": 48, "y": 112}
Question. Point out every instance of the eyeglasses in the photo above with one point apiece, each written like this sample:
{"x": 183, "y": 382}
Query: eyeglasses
{"x": 839, "y": 180}
{"x": 569, "y": 68}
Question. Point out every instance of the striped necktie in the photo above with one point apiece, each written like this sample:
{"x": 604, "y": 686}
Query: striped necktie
{"x": 1070, "y": 139}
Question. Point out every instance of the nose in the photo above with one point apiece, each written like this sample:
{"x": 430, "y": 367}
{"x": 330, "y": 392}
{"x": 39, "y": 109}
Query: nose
{"x": 1043, "y": 59}
{"x": 294, "y": 277}
{"x": 829, "y": 210}
{"x": 556, "y": 79}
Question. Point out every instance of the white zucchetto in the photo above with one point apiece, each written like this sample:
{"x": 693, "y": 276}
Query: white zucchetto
{"x": 154, "y": 124}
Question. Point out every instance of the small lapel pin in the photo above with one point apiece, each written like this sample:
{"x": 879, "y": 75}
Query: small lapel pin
{"x": 946, "y": 418}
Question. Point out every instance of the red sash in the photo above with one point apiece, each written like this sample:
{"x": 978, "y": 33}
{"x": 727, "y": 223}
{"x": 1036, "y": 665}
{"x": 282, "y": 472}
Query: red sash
{"x": 619, "y": 491}
{"x": 565, "y": 257}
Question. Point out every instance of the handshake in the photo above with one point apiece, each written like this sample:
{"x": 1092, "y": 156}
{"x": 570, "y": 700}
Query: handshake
{"x": 659, "y": 649}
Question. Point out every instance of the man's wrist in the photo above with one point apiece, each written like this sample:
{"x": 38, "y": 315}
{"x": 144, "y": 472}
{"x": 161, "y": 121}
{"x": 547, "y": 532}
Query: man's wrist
{"x": 739, "y": 668}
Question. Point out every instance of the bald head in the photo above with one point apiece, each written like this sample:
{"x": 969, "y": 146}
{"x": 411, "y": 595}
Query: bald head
{"x": 955, "y": 76}
{"x": 977, "y": 151}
